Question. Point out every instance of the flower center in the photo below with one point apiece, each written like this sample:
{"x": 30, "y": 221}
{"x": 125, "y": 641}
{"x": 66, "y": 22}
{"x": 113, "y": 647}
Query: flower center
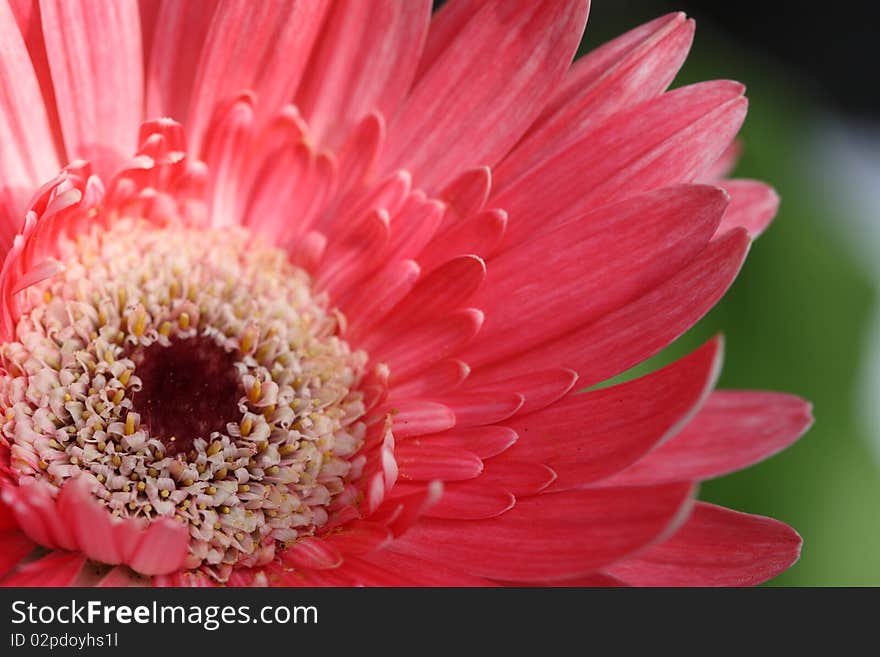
{"x": 194, "y": 375}
{"x": 189, "y": 390}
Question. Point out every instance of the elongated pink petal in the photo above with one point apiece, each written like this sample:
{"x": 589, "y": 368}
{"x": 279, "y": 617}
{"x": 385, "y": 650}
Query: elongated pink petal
{"x": 477, "y": 408}
{"x": 483, "y": 441}
{"x": 442, "y": 377}
{"x": 715, "y": 547}
{"x": 641, "y": 328}
{"x": 425, "y": 462}
{"x": 365, "y": 59}
{"x": 549, "y": 277}
{"x": 95, "y": 56}
{"x": 663, "y": 141}
{"x": 467, "y": 194}
{"x": 445, "y": 289}
{"x": 28, "y": 156}
{"x": 639, "y": 73}
{"x": 417, "y": 417}
{"x": 733, "y": 430}
{"x": 313, "y": 553}
{"x": 269, "y": 61}
{"x": 55, "y": 569}
{"x": 752, "y": 206}
{"x": 424, "y": 573}
{"x": 359, "y": 537}
{"x": 14, "y": 546}
{"x": 555, "y": 536}
{"x": 162, "y": 548}
{"x": 495, "y": 71}
{"x": 472, "y": 500}
{"x": 174, "y": 56}
{"x": 375, "y": 299}
{"x": 517, "y": 477}
{"x": 478, "y": 235}
{"x": 413, "y": 352}
{"x": 540, "y": 389}
{"x": 625, "y": 421}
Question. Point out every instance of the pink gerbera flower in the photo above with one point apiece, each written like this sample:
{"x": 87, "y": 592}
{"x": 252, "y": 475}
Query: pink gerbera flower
{"x": 337, "y": 333}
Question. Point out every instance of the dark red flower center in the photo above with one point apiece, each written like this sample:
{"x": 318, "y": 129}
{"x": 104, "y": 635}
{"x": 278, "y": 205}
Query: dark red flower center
{"x": 190, "y": 389}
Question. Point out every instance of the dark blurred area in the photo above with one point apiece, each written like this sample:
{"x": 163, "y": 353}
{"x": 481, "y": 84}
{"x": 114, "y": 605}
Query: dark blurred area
{"x": 829, "y": 48}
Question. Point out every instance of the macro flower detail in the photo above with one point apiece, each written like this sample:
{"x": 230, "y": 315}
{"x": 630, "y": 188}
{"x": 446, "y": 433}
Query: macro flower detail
{"x": 307, "y": 293}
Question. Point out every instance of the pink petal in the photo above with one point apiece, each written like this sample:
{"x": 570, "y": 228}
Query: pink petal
{"x": 484, "y": 441}
{"x": 555, "y": 536}
{"x": 365, "y": 59}
{"x": 28, "y": 156}
{"x": 477, "y": 408}
{"x": 495, "y": 70}
{"x": 14, "y": 546}
{"x": 668, "y": 140}
{"x": 588, "y": 97}
{"x": 625, "y": 421}
{"x": 377, "y": 296}
{"x": 591, "y": 267}
{"x": 467, "y": 194}
{"x": 715, "y": 547}
{"x": 162, "y": 548}
{"x": 479, "y": 235}
{"x": 178, "y": 40}
{"x": 426, "y": 462}
{"x": 423, "y": 573}
{"x": 517, "y": 477}
{"x": 122, "y": 576}
{"x": 312, "y": 553}
{"x": 412, "y": 418}
{"x": 95, "y": 55}
{"x": 733, "y": 430}
{"x": 412, "y": 352}
{"x": 445, "y": 289}
{"x": 540, "y": 389}
{"x": 270, "y": 60}
{"x": 642, "y": 327}
{"x": 359, "y": 537}
{"x": 55, "y": 569}
{"x": 752, "y": 206}
{"x": 472, "y": 500}
{"x": 441, "y": 377}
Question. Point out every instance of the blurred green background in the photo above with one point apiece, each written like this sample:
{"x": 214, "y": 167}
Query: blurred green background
{"x": 798, "y": 317}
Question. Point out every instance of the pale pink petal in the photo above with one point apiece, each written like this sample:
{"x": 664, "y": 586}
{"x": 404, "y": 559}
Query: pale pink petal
{"x": 28, "y": 157}
{"x": 261, "y": 47}
{"x": 365, "y": 60}
{"x": 478, "y": 235}
{"x": 467, "y": 194}
{"x": 95, "y": 55}
{"x": 174, "y": 56}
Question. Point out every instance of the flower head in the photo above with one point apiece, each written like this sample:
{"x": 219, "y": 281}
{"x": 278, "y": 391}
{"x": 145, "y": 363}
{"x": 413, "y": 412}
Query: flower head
{"x": 319, "y": 285}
